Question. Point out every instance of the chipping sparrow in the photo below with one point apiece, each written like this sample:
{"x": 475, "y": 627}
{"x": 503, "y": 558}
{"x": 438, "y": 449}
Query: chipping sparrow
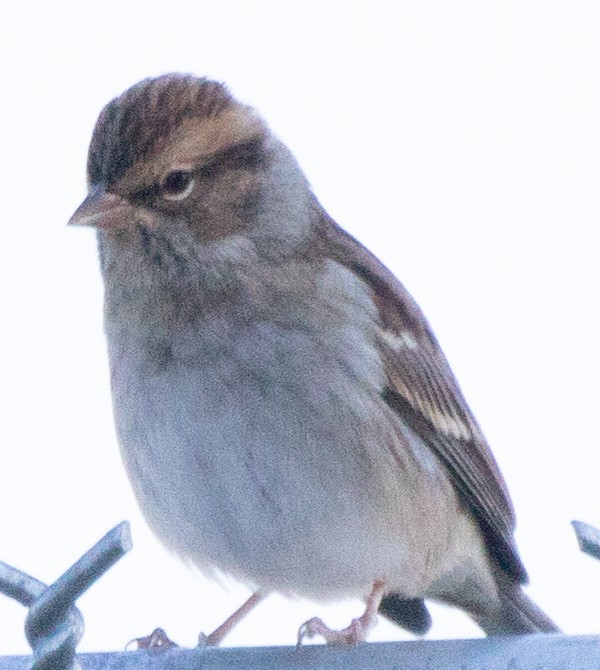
{"x": 284, "y": 411}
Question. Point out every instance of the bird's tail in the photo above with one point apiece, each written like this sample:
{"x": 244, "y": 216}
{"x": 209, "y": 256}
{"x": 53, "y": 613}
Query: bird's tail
{"x": 515, "y": 614}
{"x": 511, "y": 612}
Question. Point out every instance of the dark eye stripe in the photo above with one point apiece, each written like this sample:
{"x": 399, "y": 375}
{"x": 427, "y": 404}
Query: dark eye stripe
{"x": 249, "y": 155}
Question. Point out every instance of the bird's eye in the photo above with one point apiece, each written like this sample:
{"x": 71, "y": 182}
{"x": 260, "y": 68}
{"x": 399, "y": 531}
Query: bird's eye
{"x": 176, "y": 185}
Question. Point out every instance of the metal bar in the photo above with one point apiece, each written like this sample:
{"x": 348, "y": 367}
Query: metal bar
{"x": 542, "y": 652}
{"x": 59, "y": 597}
{"x": 54, "y": 625}
{"x": 19, "y": 586}
{"x": 588, "y": 538}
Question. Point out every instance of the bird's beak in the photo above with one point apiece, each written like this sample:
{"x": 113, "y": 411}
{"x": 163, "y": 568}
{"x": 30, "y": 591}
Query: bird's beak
{"x": 103, "y": 210}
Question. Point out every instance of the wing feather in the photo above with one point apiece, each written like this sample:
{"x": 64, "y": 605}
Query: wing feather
{"x": 422, "y": 388}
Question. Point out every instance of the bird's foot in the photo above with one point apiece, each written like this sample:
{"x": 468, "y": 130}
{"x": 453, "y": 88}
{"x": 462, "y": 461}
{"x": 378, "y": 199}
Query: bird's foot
{"x": 358, "y": 629}
{"x": 157, "y": 640}
{"x": 353, "y": 634}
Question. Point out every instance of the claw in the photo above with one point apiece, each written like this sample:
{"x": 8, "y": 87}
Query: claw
{"x": 157, "y": 639}
{"x": 353, "y": 634}
{"x": 356, "y": 632}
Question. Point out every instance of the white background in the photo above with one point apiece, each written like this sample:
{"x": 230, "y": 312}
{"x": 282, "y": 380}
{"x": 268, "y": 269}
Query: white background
{"x": 459, "y": 140}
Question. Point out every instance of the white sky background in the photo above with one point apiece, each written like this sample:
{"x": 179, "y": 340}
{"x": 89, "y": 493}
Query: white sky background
{"x": 459, "y": 140}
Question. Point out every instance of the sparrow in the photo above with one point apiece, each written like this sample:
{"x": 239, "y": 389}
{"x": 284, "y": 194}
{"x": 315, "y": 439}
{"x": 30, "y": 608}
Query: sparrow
{"x": 284, "y": 411}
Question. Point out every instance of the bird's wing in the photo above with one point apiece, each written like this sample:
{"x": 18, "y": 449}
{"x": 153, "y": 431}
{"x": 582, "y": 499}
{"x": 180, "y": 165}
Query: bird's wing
{"x": 423, "y": 390}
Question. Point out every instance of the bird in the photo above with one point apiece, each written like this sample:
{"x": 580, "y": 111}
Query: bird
{"x": 284, "y": 411}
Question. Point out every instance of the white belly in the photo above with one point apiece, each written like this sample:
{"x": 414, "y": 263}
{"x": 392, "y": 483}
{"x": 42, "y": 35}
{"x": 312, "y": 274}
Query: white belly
{"x": 283, "y": 469}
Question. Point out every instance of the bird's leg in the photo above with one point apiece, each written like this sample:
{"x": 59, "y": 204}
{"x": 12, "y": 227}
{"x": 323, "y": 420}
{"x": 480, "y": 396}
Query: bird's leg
{"x": 357, "y": 630}
{"x": 217, "y": 636}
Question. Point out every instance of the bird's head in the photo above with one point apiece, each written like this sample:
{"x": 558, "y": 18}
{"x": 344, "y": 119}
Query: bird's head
{"x": 180, "y": 172}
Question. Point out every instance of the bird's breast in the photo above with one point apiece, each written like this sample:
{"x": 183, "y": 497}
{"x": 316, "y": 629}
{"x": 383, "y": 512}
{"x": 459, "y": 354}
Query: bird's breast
{"x": 263, "y": 449}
